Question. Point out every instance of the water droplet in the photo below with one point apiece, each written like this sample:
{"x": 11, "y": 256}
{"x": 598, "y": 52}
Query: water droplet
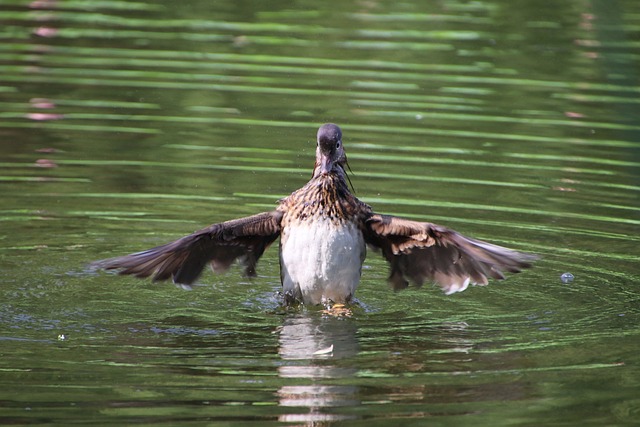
{"x": 567, "y": 278}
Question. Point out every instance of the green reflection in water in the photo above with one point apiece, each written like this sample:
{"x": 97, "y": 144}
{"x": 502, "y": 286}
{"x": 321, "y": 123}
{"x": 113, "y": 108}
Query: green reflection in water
{"x": 127, "y": 124}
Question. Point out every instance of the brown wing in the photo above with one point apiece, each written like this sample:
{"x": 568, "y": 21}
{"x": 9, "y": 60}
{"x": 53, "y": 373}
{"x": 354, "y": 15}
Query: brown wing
{"x": 221, "y": 244}
{"x": 421, "y": 251}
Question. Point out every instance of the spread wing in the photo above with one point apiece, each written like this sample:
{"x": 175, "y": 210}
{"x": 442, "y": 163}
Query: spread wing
{"x": 183, "y": 260}
{"x": 421, "y": 251}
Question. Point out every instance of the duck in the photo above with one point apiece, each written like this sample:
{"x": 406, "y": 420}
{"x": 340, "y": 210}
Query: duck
{"x": 324, "y": 232}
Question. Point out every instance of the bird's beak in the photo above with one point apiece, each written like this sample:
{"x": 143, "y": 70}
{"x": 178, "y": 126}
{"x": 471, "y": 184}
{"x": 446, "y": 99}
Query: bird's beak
{"x": 325, "y": 163}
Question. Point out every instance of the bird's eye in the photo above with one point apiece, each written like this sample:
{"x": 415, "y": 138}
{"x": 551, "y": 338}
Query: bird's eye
{"x": 338, "y": 144}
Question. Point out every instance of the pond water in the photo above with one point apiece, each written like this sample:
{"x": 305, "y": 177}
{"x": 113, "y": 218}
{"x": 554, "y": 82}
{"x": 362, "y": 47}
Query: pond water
{"x": 124, "y": 125}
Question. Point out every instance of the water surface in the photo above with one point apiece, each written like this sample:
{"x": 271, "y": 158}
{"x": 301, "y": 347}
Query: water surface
{"x": 124, "y": 125}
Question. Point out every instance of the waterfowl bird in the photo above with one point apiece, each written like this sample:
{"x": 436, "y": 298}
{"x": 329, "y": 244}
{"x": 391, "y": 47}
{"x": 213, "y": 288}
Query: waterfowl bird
{"x": 324, "y": 231}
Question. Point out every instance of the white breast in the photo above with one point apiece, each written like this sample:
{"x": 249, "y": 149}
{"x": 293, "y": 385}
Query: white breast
{"x": 321, "y": 260}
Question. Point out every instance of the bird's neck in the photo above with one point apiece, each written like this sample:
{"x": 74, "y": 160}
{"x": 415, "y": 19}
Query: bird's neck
{"x": 324, "y": 196}
{"x": 331, "y": 186}
{"x": 337, "y": 169}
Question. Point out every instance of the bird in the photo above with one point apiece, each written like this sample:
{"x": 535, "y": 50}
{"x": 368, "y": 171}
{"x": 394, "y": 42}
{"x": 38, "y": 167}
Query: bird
{"x": 324, "y": 232}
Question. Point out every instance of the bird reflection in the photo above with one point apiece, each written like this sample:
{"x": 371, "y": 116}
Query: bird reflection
{"x": 310, "y": 346}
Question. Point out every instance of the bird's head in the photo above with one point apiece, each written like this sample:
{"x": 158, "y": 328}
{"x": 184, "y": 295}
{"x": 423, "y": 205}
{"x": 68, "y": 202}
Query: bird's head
{"x": 329, "y": 151}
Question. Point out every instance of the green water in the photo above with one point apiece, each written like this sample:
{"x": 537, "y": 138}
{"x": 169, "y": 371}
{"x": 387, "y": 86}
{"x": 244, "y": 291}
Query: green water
{"x": 124, "y": 125}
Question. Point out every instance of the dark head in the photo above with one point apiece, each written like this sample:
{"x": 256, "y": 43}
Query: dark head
{"x": 329, "y": 152}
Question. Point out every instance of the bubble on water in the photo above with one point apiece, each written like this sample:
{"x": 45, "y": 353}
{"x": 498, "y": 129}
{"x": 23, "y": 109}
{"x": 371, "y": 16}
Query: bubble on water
{"x": 567, "y": 278}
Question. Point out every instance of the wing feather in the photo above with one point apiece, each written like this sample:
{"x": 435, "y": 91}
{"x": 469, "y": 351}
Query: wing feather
{"x": 422, "y": 251}
{"x": 183, "y": 260}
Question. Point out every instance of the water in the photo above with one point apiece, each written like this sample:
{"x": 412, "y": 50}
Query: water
{"x": 124, "y": 125}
